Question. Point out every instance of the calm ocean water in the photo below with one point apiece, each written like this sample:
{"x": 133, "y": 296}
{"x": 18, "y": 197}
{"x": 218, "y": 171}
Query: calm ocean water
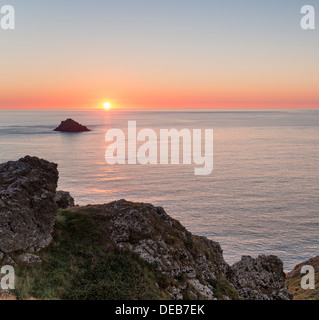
{"x": 262, "y": 198}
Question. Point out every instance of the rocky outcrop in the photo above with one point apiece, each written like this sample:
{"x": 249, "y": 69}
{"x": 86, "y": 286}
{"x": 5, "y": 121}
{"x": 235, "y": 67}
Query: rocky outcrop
{"x": 27, "y": 204}
{"x": 64, "y": 200}
{"x": 189, "y": 266}
{"x": 70, "y": 125}
{"x": 262, "y": 278}
{"x": 193, "y": 263}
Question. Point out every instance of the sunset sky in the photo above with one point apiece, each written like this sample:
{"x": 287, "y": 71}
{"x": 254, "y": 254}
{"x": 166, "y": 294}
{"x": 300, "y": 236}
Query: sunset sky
{"x": 158, "y": 54}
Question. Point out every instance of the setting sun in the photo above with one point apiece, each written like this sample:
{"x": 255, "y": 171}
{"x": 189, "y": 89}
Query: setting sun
{"x": 107, "y": 105}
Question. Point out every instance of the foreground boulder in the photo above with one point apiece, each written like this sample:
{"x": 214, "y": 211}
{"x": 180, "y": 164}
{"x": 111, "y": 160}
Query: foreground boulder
{"x": 262, "y": 278}
{"x": 64, "y": 200}
{"x": 27, "y": 204}
{"x": 70, "y": 125}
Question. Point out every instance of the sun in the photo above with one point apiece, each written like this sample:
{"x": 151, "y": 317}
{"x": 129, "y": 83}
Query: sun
{"x": 107, "y": 106}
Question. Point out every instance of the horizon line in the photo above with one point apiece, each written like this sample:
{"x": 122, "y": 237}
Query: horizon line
{"x": 157, "y": 108}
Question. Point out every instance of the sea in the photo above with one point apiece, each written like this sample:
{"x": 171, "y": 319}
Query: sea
{"x": 261, "y": 198}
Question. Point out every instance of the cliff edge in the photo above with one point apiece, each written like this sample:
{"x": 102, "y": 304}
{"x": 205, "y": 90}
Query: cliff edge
{"x": 119, "y": 250}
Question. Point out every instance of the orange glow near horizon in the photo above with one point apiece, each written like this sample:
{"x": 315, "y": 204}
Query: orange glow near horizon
{"x": 155, "y": 95}
{"x": 179, "y": 99}
{"x": 107, "y": 106}
{"x": 195, "y": 56}
{"x": 240, "y": 86}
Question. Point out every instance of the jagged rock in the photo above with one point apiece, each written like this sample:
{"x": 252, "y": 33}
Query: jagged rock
{"x": 175, "y": 293}
{"x": 294, "y": 278}
{"x": 29, "y": 258}
{"x": 205, "y": 290}
{"x": 262, "y": 278}
{"x": 27, "y": 204}
{"x": 64, "y": 200}
{"x": 155, "y": 237}
{"x": 70, "y": 125}
{"x": 191, "y": 266}
{"x": 194, "y": 264}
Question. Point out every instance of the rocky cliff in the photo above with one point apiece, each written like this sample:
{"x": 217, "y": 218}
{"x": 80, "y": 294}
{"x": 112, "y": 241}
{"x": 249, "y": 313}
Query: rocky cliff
{"x": 27, "y": 204}
{"x": 119, "y": 250}
{"x": 194, "y": 264}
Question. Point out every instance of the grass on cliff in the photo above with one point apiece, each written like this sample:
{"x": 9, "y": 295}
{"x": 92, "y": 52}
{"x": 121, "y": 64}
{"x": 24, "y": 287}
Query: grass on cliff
{"x": 82, "y": 263}
{"x": 294, "y": 287}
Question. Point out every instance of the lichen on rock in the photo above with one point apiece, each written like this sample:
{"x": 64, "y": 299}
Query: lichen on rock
{"x": 27, "y": 204}
{"x": 261, "y": 278}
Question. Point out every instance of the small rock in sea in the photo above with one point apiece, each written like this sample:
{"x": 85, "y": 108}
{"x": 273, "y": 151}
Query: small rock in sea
{"x": 70, "y": 125}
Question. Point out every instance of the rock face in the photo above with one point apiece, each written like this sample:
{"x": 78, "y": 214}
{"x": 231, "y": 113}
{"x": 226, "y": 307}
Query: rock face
{"x": 190, "y": 267}
{"x": 27, "y": 204}
{"x": 70, "y": 125}
{"x": 260, "y": 279}
{"x": 195, "y": 264}
{"x": 64, "y": 200}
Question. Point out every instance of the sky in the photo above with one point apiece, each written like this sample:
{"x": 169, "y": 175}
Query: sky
{"x": 159, "y": 54}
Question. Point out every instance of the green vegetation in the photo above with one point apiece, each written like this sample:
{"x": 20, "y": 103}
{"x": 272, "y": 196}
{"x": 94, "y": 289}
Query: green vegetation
{"x": 82, "y": 263}
{"x": 223, "y": 288}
